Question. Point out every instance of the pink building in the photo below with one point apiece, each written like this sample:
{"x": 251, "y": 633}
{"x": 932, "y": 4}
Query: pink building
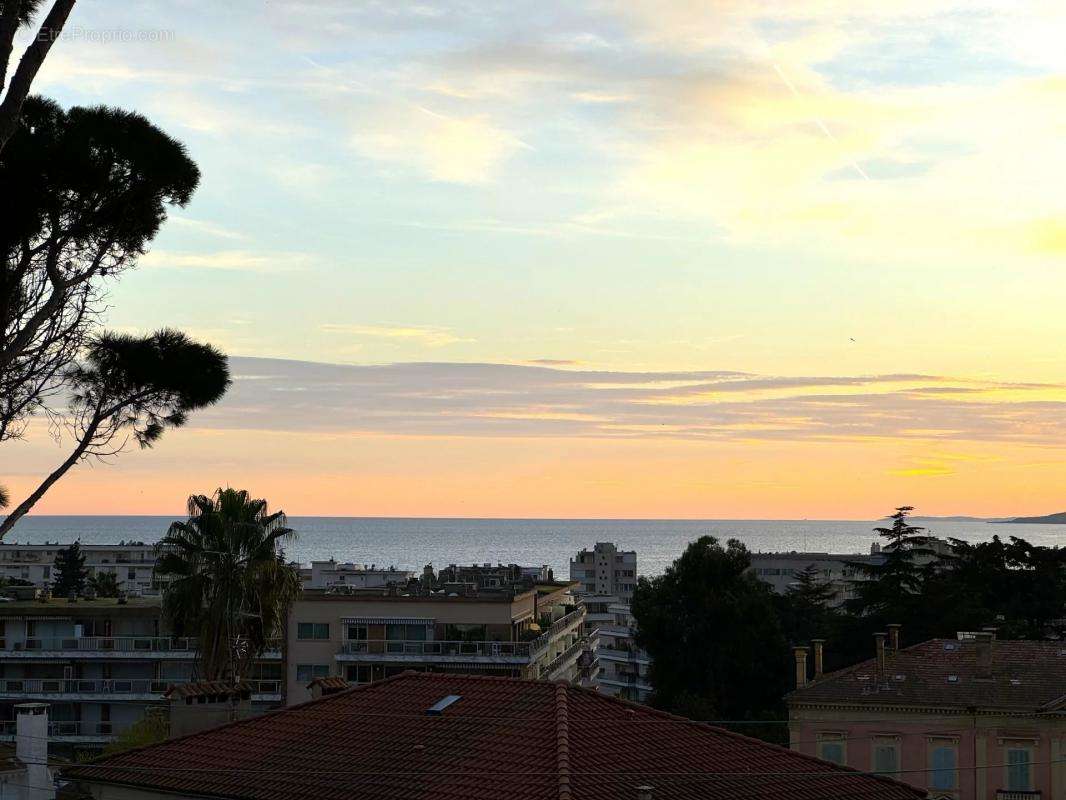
{"x": 972, "y": 718}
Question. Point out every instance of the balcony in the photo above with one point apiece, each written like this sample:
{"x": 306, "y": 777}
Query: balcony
{"x": 150, "y": 647}
{"x": 437, "y": 652}
{"x": 110, "y": 689}
{"x": 114, "y": 647}
{"x": 621, "y": 655}
{"x": 558, "y": 666}
{"x": 1017, "y": 794}
{"x": 558, "y": 628}
{"x": 73, "y": 732}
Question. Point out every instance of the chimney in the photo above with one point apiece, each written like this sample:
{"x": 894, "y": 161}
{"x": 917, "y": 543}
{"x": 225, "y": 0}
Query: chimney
{"x": 645, "y": 792}
{"x": 893, "y": 636}
{"x": 31, "y": 733}
{"x": 31, "y": 745}
{"x": 879, "y": 641}
{"x": 818, "y": 645}
{"x": 983, "y": 642}
{"x": 801, "y": 665}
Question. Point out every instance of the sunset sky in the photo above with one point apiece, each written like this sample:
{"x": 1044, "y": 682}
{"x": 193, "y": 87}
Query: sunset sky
{"x": 715, "y": 259}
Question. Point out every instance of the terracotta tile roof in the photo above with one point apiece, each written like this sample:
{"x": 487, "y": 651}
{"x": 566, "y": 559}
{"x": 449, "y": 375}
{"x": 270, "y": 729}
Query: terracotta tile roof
{"x": 943, "y": 673}
{"x": 331, "y": 683}
{"x": 503, "y": 738}
{"x": 206, "y": 689}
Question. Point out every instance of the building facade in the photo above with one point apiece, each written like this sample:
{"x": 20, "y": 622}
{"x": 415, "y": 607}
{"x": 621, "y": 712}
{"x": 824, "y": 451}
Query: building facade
{"x": 606, "y": 570}
{"x": 99, "y": 664}
{"x": 970, "y": 718}
{"x": 623, "y": 667}
{"x": 525, "y": 629}
{"x": 132, "y": 564}
{"x": 327, "y": 574}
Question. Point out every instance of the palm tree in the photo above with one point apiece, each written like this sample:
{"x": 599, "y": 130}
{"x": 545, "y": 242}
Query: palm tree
{"x": 227, "y": 580}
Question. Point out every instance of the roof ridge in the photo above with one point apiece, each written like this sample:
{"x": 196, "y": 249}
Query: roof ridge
{"x": 562, "y": 741}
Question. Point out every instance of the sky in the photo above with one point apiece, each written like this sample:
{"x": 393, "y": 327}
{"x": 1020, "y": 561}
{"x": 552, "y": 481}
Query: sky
{"x": 716, "y": 259}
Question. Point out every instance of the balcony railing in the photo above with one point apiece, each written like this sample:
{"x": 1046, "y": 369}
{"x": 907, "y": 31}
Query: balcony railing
{"x": 180, "y": 645}
{"x": 550, "y": 669}
{"x": 59, "y": 730}
{"x": 35, "y": 687}
{"x": 557, "y": 627}
{"x": 1017, "y": 794}
{"x": 121, "y": 644}
{"x": 438, "y": 648}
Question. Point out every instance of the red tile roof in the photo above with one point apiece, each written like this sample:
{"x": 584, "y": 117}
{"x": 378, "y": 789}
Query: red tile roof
{"x": 207, "y": 689}
{"x": 1026, "y": 676}
{"x": 329, "y": 684}
{"x": 504, "y": 738}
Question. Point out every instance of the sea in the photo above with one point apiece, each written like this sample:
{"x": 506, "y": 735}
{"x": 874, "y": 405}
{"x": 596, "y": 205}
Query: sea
{"x": 411, "y": 543}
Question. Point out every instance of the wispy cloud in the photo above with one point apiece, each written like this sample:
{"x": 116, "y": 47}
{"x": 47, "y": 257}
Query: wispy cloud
{"x": 237, "y": 260}
{"x": 452, "y": 399}
{"x": 427, "y": 335}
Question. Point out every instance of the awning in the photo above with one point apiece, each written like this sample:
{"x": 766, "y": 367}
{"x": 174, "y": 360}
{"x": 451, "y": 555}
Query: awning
{"x": 386, "y": 621}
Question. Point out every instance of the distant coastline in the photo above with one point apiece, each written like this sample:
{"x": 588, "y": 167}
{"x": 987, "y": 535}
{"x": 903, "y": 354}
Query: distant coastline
{"x": 1048, "y": 519}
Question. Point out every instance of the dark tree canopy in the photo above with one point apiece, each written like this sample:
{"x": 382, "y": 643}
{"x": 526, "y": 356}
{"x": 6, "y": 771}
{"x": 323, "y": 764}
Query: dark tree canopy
{"x": 85, "y": 191}
{"x": 898, "y": 579}
{"x": 105, "y": 584}
{"x": 70, "y": 572}
{"x": 132, "y": 387}
{"x": 712, "y": 632}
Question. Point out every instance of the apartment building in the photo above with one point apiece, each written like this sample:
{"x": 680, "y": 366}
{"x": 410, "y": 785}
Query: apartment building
{"x": 970, "y": 718}
{"x": 835, "y": 570}
{"x": 623, "y": 667}
{"x": 99, "y": 664}
{"x": 525, "y": 628}
{"x": 326, "y": 574}
{"x": 606, "y": 570}
{"x": 132, "y": 563}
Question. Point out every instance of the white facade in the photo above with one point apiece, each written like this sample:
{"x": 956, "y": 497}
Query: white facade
{"x": 608, "y": 577}
{"x": 132, "y": 564}
{"x": 326, "y": 574}
{"x": 99, "y": 664}
{"x": 606, "y": 570}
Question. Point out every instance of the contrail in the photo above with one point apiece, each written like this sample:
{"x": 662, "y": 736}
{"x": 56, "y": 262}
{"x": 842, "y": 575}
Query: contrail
{"x": 828, "y": 133}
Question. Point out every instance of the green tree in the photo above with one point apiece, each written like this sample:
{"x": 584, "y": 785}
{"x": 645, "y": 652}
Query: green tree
{"x": 105, "y": 584}
{"x": 150, "y": 729}
{"x": 715, "y": 642}
{"x": 13, "y": 15}
{"x": 892, "y": 585}
{"x": 132, "y": 387}
{"x": 70, "y": 572}
{"x": 228, "y": 582}
{"x": 804, "y": 609}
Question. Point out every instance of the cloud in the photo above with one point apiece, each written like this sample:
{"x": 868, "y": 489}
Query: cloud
{"x": 513, "y": 400}
{"x": 236, "y": 260}
{"x": 428, "y": 335}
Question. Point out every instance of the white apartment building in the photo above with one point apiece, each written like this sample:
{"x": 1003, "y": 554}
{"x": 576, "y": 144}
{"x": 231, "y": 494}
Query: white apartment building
{"x": 99, "y": 664}
{"x": 132, "y": 563}
{"x": 329, "y": 574}
{"x": 606, "y": 570}
{"x": 608, "y": 577}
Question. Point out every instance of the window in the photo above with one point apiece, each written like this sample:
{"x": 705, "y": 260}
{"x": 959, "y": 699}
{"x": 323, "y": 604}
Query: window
{"x": 405, "y": 633}
{"x": 942, "y": 761}
{"x": 359, "y": 673}
{"x": 886, "y": 757}
{"x": 1019, "y": 769}
{"x": 305, "y": 673}
{"x": 358, "y": 633}
{"x": 131, "y": 574}
{"x": 831, "y": 748}
{"x": 312, "y": 630}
